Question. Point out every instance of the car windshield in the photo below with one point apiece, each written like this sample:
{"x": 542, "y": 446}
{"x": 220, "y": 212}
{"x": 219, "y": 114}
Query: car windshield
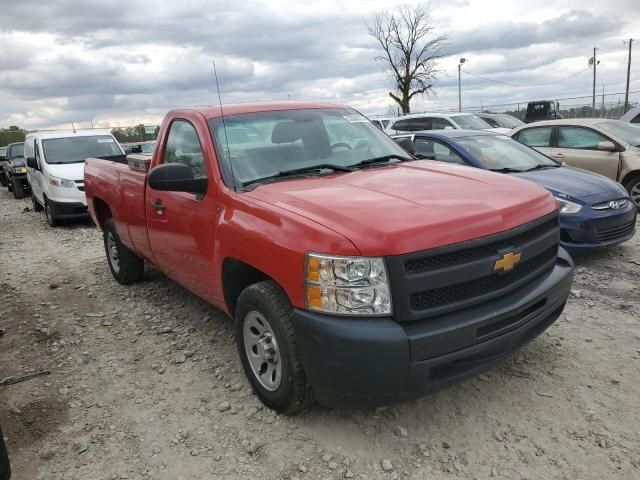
{"x": 470, "y": 122}
{"x": 624, "y": 131}
{"x": 498, "y": 152}
{"x": 78, "y": 149}
{"x": 147, "y": 147}
{"x": 263, "y": 144}
{"x": 17, "y": 150}
{"x": 508, "y": 121}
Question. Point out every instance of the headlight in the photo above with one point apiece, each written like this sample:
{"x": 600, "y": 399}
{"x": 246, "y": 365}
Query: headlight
{"x": 567, "y": 207}
{"x": 348, "y": 285}
{"x": 61, "y": 182}
{"x": 19, "y": 170}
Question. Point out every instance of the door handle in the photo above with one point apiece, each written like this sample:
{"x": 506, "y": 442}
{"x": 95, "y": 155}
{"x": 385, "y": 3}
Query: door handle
{"x": 559, "y": 155}
{"x": 158, "y": 206}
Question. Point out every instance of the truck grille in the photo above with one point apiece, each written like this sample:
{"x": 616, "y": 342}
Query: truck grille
{"x": 434, "y": 282}
{"x": 611, "y": 233}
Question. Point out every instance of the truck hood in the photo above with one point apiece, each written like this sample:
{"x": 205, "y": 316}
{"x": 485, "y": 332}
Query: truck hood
{"x": 68, "y": 171}
{"x": 576, "y": 183}
{"x": 411, "y": 206}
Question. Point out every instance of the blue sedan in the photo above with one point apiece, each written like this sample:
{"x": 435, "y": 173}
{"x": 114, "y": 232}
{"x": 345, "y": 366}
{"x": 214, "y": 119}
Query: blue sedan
{"x": 594, "y": 210}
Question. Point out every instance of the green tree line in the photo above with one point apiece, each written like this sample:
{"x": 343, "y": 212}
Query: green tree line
{"x": 123, "y": 134}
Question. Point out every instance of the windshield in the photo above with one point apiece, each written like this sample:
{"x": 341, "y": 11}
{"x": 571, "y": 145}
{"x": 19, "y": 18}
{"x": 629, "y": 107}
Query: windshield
{"x": 260, "y": 145}
{"x": 147, "y": 147}
{"x": 508, "y": 121}
{"x": 470, "y": 122}
{"x": 17, "y": 150}
{"x": 624, "y": 131}
{"x": 497, "y": 152}
{"x": 78, "y": 149}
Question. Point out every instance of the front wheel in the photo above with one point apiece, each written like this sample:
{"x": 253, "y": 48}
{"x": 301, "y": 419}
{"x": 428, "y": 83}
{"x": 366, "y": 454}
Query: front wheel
{"x": 126, "y": 267}
{"x": 633, "y": 187}
{"x": 268, "y": 348}
{"x": 18, "y": 191}
{"x": 51, "y": 219}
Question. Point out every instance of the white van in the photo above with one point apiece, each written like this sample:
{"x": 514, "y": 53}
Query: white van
{"x": 55, "y": 169}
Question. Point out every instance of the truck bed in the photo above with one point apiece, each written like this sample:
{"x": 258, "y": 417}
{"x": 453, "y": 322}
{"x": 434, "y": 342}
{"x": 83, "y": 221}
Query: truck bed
{"x": 117, "y": 185}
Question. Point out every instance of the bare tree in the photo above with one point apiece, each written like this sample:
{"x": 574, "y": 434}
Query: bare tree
{"x": 412, "y": 48}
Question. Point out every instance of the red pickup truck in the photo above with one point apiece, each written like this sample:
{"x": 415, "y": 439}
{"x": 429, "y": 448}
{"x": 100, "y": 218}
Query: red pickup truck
{"x": 357, "y": 275}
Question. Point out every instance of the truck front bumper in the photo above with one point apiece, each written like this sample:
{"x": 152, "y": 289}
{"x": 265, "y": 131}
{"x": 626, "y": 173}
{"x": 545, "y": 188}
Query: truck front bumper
{"x": 370, "y": 362}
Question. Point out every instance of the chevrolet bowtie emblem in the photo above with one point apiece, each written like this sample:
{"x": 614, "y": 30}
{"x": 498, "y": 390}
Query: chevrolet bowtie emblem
{"x": 507, "y": 262}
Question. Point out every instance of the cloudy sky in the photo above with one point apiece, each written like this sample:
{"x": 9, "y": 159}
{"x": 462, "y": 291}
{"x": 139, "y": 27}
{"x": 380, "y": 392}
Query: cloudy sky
{"x": 124, "y": 62}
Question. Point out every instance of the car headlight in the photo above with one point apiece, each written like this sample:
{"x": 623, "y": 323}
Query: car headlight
{"x": 19, "y": 170}
{"x": 61, "y": 182}
{"x": 567, "y": 207}
{"x": 347, "y": 285}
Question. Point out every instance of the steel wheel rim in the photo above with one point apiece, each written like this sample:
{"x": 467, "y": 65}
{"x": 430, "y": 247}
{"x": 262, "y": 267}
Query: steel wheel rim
{"x": 635, "y": 194}
{"x": 262, "y": 350}
{"x": 112, "y": 252}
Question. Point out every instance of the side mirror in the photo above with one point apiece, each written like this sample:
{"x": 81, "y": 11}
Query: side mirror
{"x": 176, "y": 177}
{"x": 607, "y": 146}
{"x": 407, "y": 144}
{"x": 31, "y": 163}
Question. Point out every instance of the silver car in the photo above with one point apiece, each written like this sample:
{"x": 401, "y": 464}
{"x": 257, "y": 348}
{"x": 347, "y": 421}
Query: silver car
{"x": 608, "y": 147}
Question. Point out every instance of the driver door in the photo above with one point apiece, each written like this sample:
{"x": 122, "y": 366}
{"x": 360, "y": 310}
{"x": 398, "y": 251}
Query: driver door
{"x": 182, "y": 225}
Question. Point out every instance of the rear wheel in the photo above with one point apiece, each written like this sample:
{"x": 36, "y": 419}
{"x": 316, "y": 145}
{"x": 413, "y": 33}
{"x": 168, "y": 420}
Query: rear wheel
{"x": 126, "y": 267}
{"x": 3, "y": 179}
{"x": 34, "y": 202}
{"x": 268, "y": 348}
{"x": 633, "y": 187}
{"x": 18, "y": 191}
{"x": 51, "y": 219}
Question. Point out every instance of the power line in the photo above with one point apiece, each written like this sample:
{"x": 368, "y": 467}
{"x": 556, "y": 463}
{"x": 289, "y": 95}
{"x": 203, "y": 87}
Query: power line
{"x": 524, "y": 84}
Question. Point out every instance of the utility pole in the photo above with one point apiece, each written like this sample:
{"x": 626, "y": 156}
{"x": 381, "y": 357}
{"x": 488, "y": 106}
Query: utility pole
{"x": 462, "y": 60}
{"x": 593, "y": 103}
{"x": 626, "y": 93}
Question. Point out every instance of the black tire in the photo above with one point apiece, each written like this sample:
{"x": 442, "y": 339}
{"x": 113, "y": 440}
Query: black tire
{"x": 51, "y": 219}
{"x": 3, "y": 179}
{"x": 5, "y": 468}
{"x": 633, "y": 187}
{"x": 18, "y": 191}
{"x": 35, "y": 204}
{"x": 293, "y": 393}
{"x": 129, "y": 267}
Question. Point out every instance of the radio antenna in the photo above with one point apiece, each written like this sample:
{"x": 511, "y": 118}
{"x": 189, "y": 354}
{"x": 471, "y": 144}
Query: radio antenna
{"x": 224, "y": 125}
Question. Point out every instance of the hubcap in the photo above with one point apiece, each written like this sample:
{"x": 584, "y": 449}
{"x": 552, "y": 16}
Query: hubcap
{"x": 262, "y": 350}
{"x": 112, "y": 251}
{"x": 635, "y": 194}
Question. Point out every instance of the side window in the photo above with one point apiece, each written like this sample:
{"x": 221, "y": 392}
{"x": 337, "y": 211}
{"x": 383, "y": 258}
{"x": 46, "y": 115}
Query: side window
{"x": 183, "y": 146}
{"x": 491, "y": 121}
{"x": 636, "y": 119}
{"x": 580, "y": 138}
{"x": 433, "y": 150}
{"x": 401, "y": 125}
{"x": 440, "y": 124}
{"x": 418, "y": 124}
{"x": 535, "y": 137}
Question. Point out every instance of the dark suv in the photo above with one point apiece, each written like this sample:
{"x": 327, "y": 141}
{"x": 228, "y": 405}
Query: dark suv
{"x": 542, "y": 110}
{"x": 15, "y": 170}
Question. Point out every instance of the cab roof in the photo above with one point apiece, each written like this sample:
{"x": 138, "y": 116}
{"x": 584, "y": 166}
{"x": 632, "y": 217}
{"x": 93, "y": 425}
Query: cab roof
{"x": 210, "y": 112}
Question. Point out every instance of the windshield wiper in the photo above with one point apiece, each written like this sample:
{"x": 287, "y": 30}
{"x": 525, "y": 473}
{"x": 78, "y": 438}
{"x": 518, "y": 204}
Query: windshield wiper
{"x": 298, "y": 171}
{"x": 506, "y": 170}
{"x": 540, "y": 166}
{"x": 382, "y": 159}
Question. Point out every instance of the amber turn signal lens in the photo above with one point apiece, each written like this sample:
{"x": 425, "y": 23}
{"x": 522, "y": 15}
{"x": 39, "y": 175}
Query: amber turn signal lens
{"x": 314, "y": 296}
{"x": 313, "y": 269}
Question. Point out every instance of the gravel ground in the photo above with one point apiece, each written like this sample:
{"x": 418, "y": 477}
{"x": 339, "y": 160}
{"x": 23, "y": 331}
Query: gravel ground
{"x": 145, "y": 383}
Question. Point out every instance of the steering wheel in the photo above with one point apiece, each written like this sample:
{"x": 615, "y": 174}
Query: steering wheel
{"x": 341, "y": 145}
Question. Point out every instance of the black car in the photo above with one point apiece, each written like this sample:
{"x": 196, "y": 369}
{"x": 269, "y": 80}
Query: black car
{"x": 15, "y": 170}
